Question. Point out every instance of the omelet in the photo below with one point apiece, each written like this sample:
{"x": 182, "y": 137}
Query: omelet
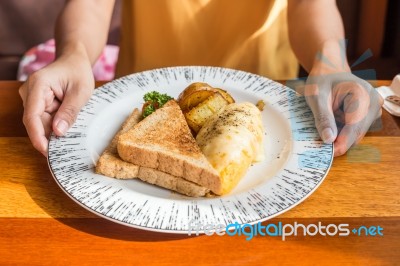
{"x": 232, "y": 140}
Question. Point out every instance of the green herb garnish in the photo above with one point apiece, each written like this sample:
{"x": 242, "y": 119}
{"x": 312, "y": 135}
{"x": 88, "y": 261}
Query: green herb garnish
{"x": 148, "y": 110}
{"x": 154, "y": 100}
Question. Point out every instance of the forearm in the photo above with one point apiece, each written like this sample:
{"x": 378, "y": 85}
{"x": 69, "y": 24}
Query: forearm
{"x": 82, "y": 28}
{"x": 315, "y": 26}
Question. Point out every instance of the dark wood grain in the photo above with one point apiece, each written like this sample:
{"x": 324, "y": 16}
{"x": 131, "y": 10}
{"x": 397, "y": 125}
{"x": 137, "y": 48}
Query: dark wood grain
{"x": 11, "y": 110}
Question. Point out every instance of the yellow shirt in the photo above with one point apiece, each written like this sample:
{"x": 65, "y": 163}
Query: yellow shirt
{"x": 249, "y": 35}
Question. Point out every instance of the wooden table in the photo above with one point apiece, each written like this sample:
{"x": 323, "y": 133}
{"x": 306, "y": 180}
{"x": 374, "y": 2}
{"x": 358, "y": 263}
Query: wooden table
{"x": 39, "y": 224}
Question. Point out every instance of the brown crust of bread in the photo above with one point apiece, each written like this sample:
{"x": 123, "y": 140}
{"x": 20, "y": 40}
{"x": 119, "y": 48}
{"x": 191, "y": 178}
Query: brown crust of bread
{"x": 163, "y": 141}
{"x": 111, "y": 165}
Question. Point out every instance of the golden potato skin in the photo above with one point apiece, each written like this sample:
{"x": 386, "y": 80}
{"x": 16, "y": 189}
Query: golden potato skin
{"x": 199, "y": 101}
{"x": 226, "y": 95}
{"x": 198, "y": 92}
{"x": 194, "y": 94}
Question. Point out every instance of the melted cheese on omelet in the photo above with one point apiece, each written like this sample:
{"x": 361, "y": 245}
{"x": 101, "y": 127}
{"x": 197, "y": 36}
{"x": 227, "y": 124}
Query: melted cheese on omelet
{"x": 233, "y": 138}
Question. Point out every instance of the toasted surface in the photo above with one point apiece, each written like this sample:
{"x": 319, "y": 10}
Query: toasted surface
{"x": 163, "y": 141}
{"x": 171, "y": 182}
{"x": 110, "y": 164}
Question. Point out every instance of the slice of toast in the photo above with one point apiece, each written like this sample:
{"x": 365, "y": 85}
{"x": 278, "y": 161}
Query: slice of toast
{"x": 163, "y": 141}
{"x": 110, "y": 164}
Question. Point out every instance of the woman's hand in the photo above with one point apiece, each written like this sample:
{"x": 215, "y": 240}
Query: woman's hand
{"x": 344, "y": 106}
{"x": 53, "y": 97}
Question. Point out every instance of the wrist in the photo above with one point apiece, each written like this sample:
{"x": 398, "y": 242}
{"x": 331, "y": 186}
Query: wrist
{"x": 72, "y": 49}
{"x": 331, "y": 58}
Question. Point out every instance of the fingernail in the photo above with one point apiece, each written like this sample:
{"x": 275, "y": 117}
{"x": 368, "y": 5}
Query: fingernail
{"x": 327, "y": 135}
{"x": 62, "y": 127}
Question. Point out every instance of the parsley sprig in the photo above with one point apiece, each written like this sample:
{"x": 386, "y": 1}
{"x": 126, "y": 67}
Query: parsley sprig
{"x": 154, "y": 100}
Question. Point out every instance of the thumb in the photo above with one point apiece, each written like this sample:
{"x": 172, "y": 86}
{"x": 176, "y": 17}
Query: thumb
{"x": 67, "y": 113}
{"x": 325, "y": 123}
{"x": 324, "y": 118}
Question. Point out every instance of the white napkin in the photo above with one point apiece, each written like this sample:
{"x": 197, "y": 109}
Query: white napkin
{"x": 394, "y": 89}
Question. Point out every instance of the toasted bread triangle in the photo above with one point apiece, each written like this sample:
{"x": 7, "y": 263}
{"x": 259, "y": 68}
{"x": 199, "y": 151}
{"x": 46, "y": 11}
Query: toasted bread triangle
{"x": 163, "y": 141}
{"x": 110, "y": 164}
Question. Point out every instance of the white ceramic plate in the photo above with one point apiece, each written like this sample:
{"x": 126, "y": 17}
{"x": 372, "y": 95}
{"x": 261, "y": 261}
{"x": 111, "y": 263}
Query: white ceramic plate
{"x": 296, "y": 164}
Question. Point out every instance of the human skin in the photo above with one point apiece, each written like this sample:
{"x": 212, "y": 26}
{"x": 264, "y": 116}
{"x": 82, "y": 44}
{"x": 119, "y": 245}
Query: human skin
{"x": 54, "y": 95}
{"x": 334, "y": 94}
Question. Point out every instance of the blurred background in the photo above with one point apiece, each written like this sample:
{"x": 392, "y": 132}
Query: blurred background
{"x": 369, "y": 24}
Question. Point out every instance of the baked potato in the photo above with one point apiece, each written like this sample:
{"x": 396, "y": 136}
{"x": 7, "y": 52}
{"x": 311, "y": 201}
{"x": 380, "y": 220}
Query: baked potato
{"x": 198, "y": 115}
{"x": 198, "y": 92}
{"x": 199, "y": 101}
{"x": 226, "y": 95}
{"x": 194, "y": 94}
